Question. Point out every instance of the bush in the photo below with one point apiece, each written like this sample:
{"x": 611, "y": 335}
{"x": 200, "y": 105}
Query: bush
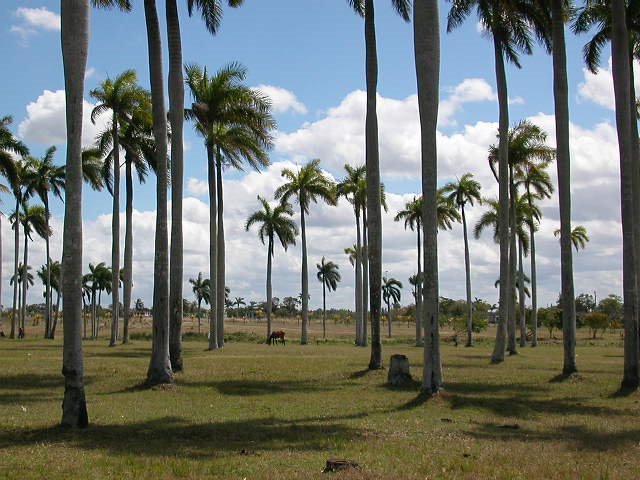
{"x": 597, "y": 321}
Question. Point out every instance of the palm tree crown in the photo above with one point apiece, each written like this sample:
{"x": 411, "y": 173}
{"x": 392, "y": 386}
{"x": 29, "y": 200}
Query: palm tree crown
{"x": 307, "y": 185}
{"x": 274, "y": 221}
{"x": 328, "y": 274}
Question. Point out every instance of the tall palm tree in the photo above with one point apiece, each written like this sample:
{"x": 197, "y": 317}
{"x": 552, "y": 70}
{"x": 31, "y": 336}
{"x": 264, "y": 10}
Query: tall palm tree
{"x": 236, "y": 125}
{"x": 272, "y": 222}
{"x": 23, "y": 278}
{"x": 44, "y": 177}
{"x": 75, "y": 45}
{"x": 329, "y": 276}
{"x": 508, "y": 24}
{"x": 52, "y": 274}
{"x": 18, "y": 189}
{"x": 349, "y": 188}
{"x": 122, "y": 96}
{"x": 238, "y": 302}
{"x": 579, "y": 237}
{"x": 202, "y": 290}
{"x": 465, "y": 191}
{"x": 391, "y": 295}
{"x": 365, "y": 8}
{"x": 307, "y": 185}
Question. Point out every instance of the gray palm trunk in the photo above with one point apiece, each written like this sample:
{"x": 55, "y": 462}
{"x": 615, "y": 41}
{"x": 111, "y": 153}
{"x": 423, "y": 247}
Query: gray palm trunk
{"x": 176, "y": 113}
{"x": 128, "y": 253}
{"x": 54, "y": 323}
{"x": 269, "y": 288}
{"x": 374, "y": 214}
{"x": 561, "y": 102}
{"x": 467, "y": 270}
{"x": 513, "y": 265}
{"x": 159, "y": 371}
{"x": 305, "y": 281}
{"x": 48, "y": 321}
{"x": 93, "y": 313}
{"x": 358, "y": 286}
{"x": 534, "y": 281}
{"x": 221, "y": 255}
{"x": 16, "y": 258}
{"x": 523, "y": 319}
{"x": 364, "y": 258}
{"x": 25, "y": 258}
{"x": 213, "y": 248}
{"x": 427, "y": 56}
{"x": 115, "y": 234}
{"x": 389, "y": 319}
{"x": 75, "y": 45}
{"x": 324, "y": 309}
{"x": 419, "y": 317}
{"x": 622, "y": 89}
{"x": 503, "y": 202}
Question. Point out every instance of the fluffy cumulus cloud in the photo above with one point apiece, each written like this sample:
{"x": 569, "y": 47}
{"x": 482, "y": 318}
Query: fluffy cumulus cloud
{"x": 598, "y": 87}
{"x": 31, "y": 21}
{"x": 282, "y": 100}
{"x": 45, "y": 121}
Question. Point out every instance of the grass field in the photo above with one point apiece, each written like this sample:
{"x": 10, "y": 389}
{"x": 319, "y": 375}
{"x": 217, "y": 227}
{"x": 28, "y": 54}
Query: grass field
{"x": 259, "y": 412}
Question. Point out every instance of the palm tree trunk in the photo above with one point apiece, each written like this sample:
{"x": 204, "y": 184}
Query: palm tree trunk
{"x": 176, "y": 114}
{"x": 358, "y": 287}
{"x": 467, "y": 270}
{"x": 389, "y": 318}
{"x": 511, "y": 324}
{"x": 221, "y": 254}
{"x": 75, "y": 45}
{"x": 199, "y": 313}
{"x": 269, "y": 289}
{"x": 561, "y": 102}
{"x": 523, "y": 320}
{"x": 115, "y": 233}
{"x": 94, "y": 329}
{"x": 128, "y": 253}
{"x": 324, "y": 309}
{"x": 55, "y": 316}
{"x": 374, "y": 215}
{"x": 213, "y": 248}
{"x": 0, "y": 272}
{"x": 534, "y": 290}
{"x": 365, "y": 279}
{"x": 427, "y": 55}
{"x": 419, "y": 317}
{"x": 16, "y": 258}
{"x": 25, "y": 276}
{"x": 48, "y": 326}
{"x": 503, "y": 201}
{"x": 305, "y": 282}
{"x": 159, "y": 370}
{"x": 621, "y": 82}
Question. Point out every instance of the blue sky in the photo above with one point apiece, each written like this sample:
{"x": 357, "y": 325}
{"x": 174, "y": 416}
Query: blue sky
{"x": 310, "y": 56}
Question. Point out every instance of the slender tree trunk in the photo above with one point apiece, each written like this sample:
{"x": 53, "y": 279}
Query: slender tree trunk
{"x": 427, "y": 55}
{"x": 467, "y": 270}
{"x": 304, "y": 339}
{"x": 513, "y": 265}
{"x": 199, "y": 313}
{"x": 176, "y": 114}
{"x": 364, "y": 255}
{"x": 269, "y": 289}
{"x": 359, "y": 306}
{"x": 534, "y": 281}
{"x": 213, "y": 248}
{"x": 128, "y": 253}
{"x": 55, "y": 316}
{"x": 25, "y": 276}
{"x": 94, "y": 320}
{"x": 221, "y": 254}
{"x": 419, "y": 316}
{"x": 16, "y": 258}
{"x": 47, "y": 291}
{"x": 523, "y": 320}
{"x": 324, "y": 310}
{"x": 75, "y": 44}
{"x": 503, "y": 201}
{"x": 159, "y": 371}
{"x": 115, "y": 232}
{"x": 561, "y": 101}
{"x": 622, "y": 88}
{"x": 389, "y": 318}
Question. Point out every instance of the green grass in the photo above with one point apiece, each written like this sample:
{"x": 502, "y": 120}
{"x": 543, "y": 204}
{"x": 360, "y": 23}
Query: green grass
{"x": 259, "y": 412}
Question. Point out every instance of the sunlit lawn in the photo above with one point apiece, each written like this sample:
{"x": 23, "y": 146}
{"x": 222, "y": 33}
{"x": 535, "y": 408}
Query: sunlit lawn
{"x": 254, "y": 411}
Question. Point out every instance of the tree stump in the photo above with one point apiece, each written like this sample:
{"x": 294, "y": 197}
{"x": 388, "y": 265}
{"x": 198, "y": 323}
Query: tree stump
{"x": 399, "y": 374}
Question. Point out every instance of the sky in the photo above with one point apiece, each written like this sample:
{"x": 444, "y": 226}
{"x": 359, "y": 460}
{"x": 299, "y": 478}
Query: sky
{"x": 308, "y": 57}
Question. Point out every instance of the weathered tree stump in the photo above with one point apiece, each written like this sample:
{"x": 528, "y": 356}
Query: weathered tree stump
{"x": 335, "y": 464}
{"x": 399, "y": 374}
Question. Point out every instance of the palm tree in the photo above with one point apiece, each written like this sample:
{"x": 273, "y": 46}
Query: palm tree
{"x": 465, "y": 190}
{"x": 272, "y": 222}
{"x": 412, "y": 216}
{"x": 390, "y": 294}
{"x": 122, "y": 97}
{"x": 329, "y": 276}
{"x": 236, "y": 124}
{"x": 23, "y": 278}
{"x": 16, "y": 182}
{"x": 99, "y": 277}
{"x": 202, "y": 291}
{"x": 579, "y": 237}
{"x": 349, "y": 188}
{"x": 51, "y": 274}
{"x": 365, "y": 8}
{"x": 507, "y": 23}
{"x": 307, "y": 185}
{"x": 238, "y": 302}
{"x": 75, "y": 45}
{"x": 43, "y": 177}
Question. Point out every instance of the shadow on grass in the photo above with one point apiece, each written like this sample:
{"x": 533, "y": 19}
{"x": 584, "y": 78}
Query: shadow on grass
{"x": 27, "y": 381}
{"x": 360, "y": 374}
{"x": 259, "y": 387}
{"x": 118, "y": 353}
{"x": 168, "y": 435}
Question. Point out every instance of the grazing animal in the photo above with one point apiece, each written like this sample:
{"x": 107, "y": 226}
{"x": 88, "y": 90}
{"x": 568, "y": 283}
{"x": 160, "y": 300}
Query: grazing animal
{"x": 273, "y": 338}
{"x": 20, "y": 332}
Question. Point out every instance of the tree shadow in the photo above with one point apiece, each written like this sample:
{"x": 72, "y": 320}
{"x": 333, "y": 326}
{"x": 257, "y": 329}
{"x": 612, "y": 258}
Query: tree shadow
{"x": 170, "y": 436}
{"x": 260, "y": 387}
{"x": 360, "y": 374}
{"x": 27, "y": 381}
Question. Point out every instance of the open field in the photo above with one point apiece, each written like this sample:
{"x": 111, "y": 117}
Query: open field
{"x": 253, "y": 411}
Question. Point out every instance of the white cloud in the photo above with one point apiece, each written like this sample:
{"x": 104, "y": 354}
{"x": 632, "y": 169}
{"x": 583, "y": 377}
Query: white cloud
{"x": 197, "y": 187}
{"x": 34, "y": 20}
{"x": 282, "y": 100}
{"x": 45, "y": 121}
{"x": 598, "y": 88}
{"x": 470, "y": 90}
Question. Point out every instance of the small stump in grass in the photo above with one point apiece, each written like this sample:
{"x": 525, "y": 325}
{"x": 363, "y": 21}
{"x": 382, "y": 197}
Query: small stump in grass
{"x": 335, "y": 464}
{"x": 399, "y": 374}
